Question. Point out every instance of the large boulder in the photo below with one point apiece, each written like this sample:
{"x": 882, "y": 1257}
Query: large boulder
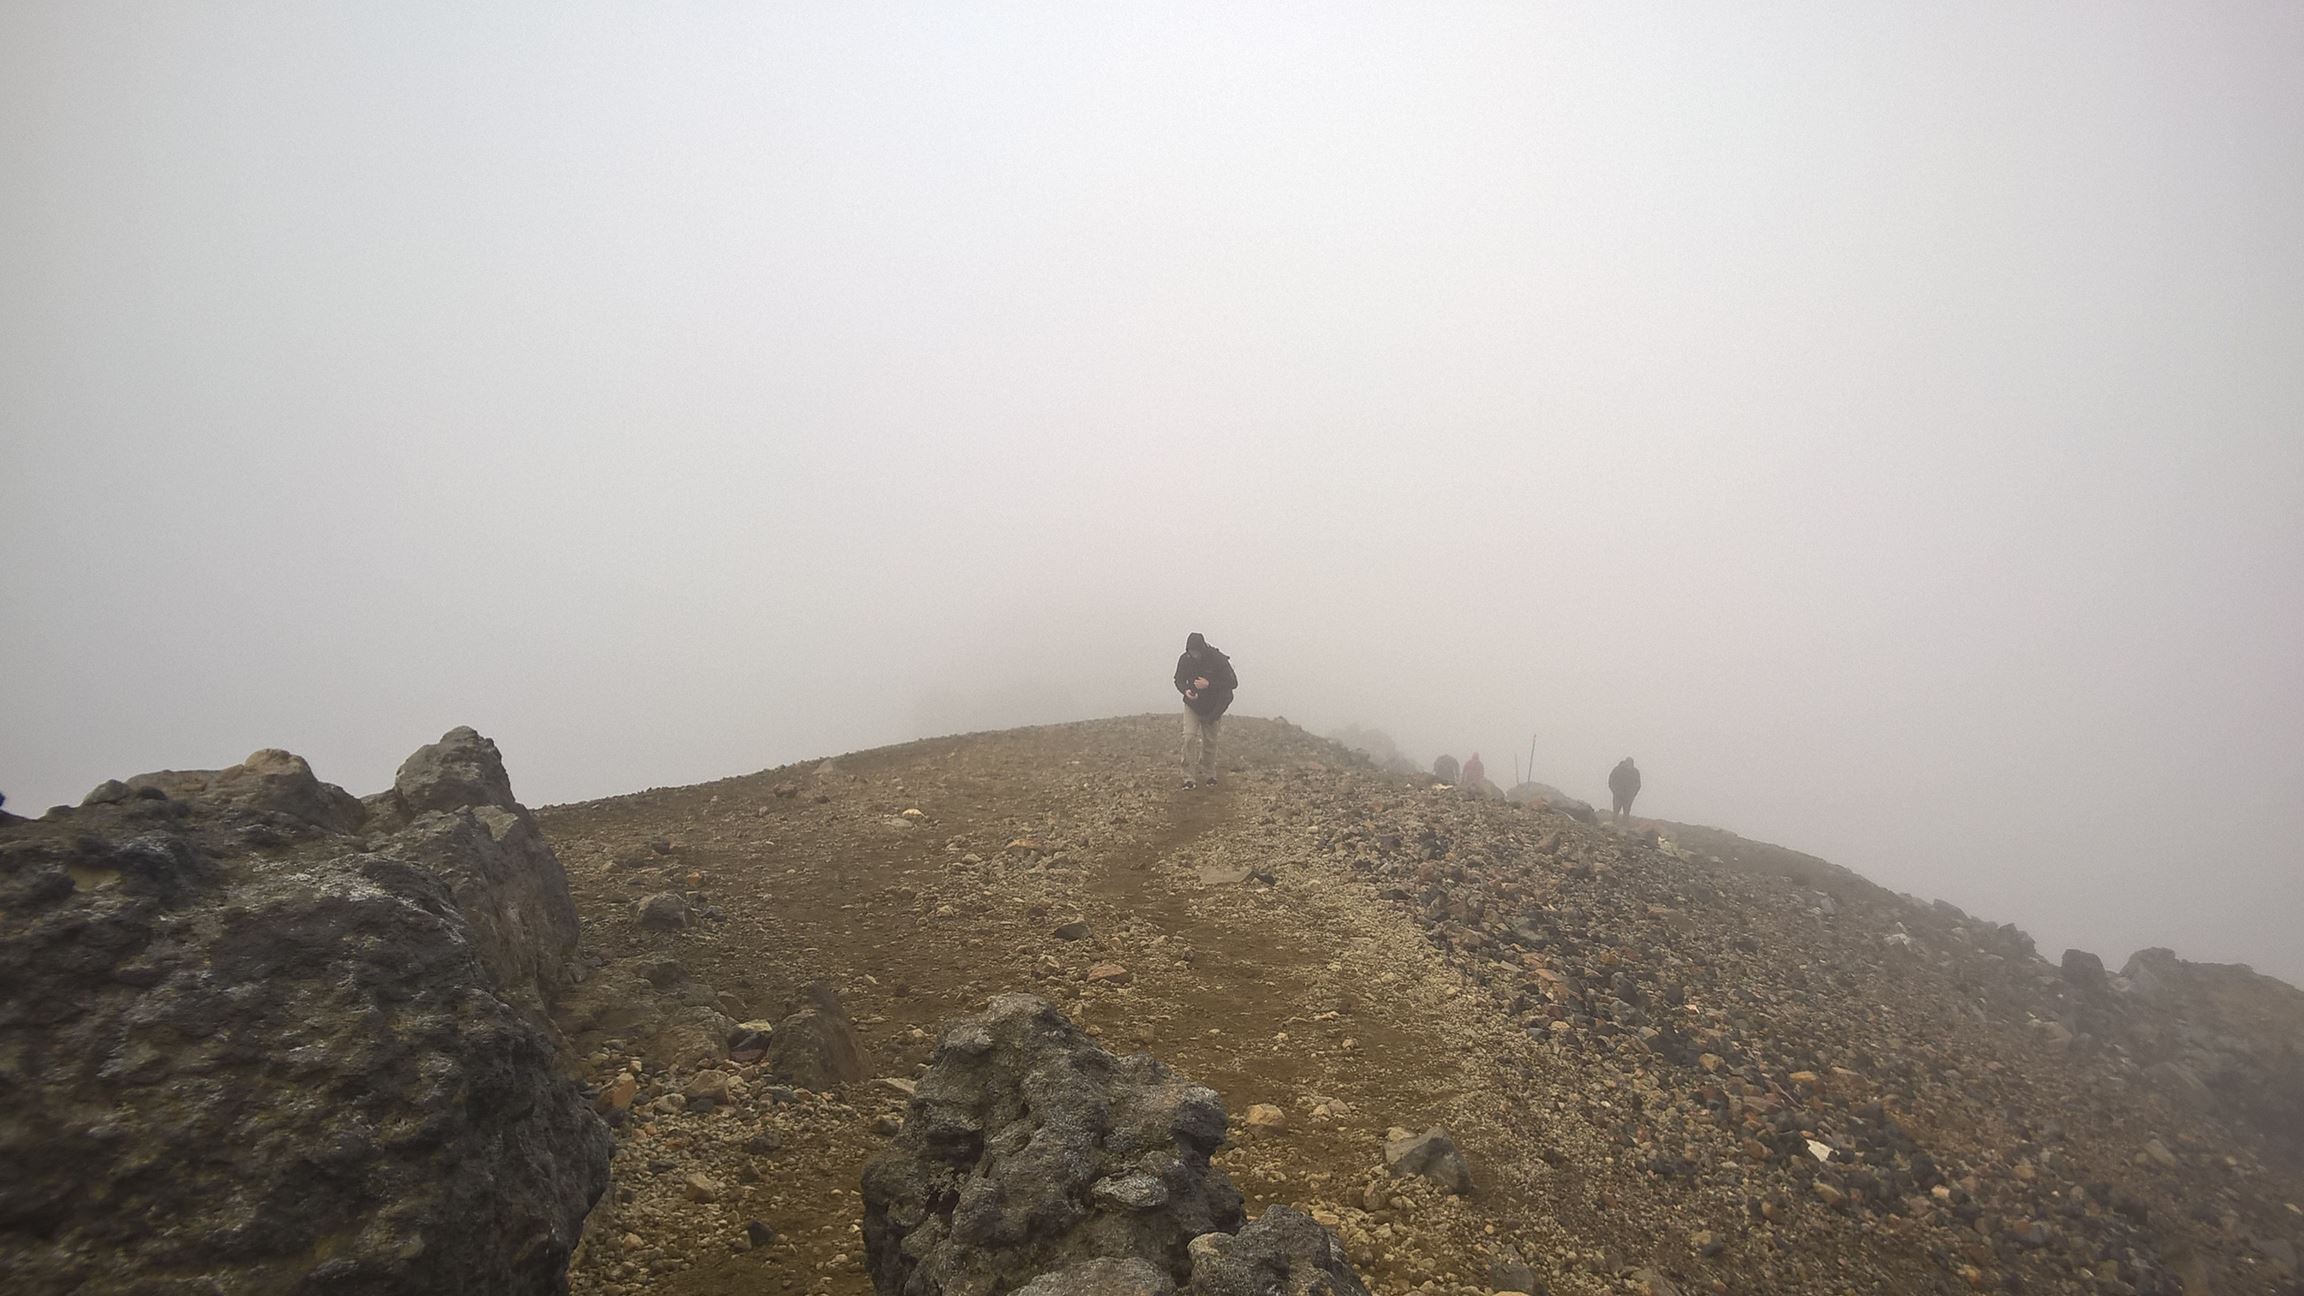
{"x": 270, "y": 782}
{"x": 1028, "y": 1150}
{"x": 817, "y": 1047}
{"x": 461, "y": 771}
{"x": 309, "y": 1067}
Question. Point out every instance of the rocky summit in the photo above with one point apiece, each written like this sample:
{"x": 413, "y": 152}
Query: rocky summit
{"x": 1017, "y": 1012}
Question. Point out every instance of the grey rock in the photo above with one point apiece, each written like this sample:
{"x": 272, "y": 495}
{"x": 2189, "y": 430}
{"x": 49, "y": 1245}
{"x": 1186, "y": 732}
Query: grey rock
{"x": 1284, "y": 1253}
{"x": 511, "y": 888}
{"x": 2084, "y": 972}
{"x": 462, "y": 771}
{"x": 1019, "y": 1116}
{"x": 108, "y": 792}
{"x": 270, "y": 782}
{"x": 817, "y": 1047}
{"x": 1431, "y": 1154}
{"x": 214, "y": 1062}
{"x": 663, "y": 911}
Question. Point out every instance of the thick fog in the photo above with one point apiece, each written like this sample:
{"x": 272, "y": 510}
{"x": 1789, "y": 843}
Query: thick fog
{"x": 1884, "y": 422}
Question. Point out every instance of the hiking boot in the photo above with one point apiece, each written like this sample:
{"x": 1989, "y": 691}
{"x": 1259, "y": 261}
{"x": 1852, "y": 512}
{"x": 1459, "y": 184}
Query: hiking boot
{"x": 1189, "y": 785}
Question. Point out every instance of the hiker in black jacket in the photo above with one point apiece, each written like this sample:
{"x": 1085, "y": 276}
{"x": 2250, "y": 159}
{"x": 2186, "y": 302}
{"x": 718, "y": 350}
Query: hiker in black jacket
{"x": 1623, "y": 785}
{"x": 1204, "y": 676}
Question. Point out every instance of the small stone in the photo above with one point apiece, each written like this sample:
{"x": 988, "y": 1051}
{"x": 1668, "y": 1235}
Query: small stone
{"x": 1265, "y": 1116}
{"x": 713, "y": 1085}
{"x": 664, "y": 911}
{"x": 1077, "y": 929}
{"x": 759, "y": 1233}
{"x": 1432, "y": 1155}
{"x": 620, "y": 1093}
{"x": 1112, "y": 974}
{"x": 701, "y": 1187}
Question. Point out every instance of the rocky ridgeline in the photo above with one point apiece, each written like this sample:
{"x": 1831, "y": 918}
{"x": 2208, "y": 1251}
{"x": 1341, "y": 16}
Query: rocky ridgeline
{"x": 1818, "y": 1066}
{"x": 259, "y": 1035}
{"x": 1033, "y": 1160}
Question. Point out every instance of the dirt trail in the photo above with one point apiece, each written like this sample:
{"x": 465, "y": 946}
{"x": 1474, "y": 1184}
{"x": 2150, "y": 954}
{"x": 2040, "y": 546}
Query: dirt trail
{"x": 1283, "y": 991}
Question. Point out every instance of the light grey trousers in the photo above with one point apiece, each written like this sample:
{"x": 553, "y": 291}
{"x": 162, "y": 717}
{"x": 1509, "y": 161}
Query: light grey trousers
{"x": 1200, "y": 742}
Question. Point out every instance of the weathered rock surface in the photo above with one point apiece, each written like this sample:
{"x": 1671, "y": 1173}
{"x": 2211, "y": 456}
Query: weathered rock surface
{"x": 1284, "y": 1253}
{"x": 269, "y": 782}
{"x": 1431, "y": 1155}
{"x": 1028, "y": 1149}
{"x": 816, "y": 1047}
{"x": 304, "y": 1067}
{"x": 461, "y": 771}
{"x": 1029, "y": 1155}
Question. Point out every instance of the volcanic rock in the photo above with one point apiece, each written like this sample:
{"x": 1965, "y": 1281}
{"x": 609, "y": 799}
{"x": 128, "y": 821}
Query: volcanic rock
{"x": 1284, "y": 1253}
{"x": 1431, "y": 1154}
{"x": 1018, "y": 1120}
{"x": 817, "y": 1046}
{"x": 318, "y": 1070}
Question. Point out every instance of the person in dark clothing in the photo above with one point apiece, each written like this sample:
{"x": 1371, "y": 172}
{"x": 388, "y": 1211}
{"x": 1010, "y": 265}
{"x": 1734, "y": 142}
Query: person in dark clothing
{"x": 1623, "y": 785}
{"x": 1204, "y": 676}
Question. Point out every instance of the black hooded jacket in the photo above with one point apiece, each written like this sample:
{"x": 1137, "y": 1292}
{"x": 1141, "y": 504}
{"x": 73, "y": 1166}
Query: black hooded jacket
{"x": 1624, "y": 780}
{"x": 1200, "y": 660}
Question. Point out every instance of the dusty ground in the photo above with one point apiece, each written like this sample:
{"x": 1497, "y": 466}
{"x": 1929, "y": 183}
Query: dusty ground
{"x": 1265, "y": 956}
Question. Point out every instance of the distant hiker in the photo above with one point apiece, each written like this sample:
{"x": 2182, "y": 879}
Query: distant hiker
{"x": 1475, "y": 776}
{"x": 1623, "y": 785}
{"x": 1204, "y": 676}
{"x": 1444, "y": 769}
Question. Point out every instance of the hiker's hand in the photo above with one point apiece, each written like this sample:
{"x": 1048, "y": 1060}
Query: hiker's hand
{"x": 1201, "y": 682}
{"x": 1191, "y": 693}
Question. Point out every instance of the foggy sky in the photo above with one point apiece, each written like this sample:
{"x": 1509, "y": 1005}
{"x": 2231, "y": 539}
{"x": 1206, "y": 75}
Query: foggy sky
{"x": 1885, "y": 422}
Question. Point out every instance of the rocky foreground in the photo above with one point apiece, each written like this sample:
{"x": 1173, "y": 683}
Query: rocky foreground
{"x": 259, "y": 1036}
{"x": 1013, "y": 1012}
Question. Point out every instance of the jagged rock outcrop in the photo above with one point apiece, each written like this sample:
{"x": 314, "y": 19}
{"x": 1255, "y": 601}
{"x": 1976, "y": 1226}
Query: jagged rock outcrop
{"x": 1030, "y": 1158}
{"x": 2217, "y": 1036}
{"x": 461, "y": 770}
{"x": 245, "y": 1049}
{"x": 270, "y": 782}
